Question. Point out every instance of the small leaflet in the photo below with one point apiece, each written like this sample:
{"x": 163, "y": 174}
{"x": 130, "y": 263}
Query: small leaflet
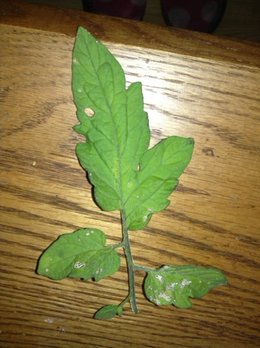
{"x": 108, "y": 312}
{"x": 177, "y": 284}
{"x": 80, "y": 254}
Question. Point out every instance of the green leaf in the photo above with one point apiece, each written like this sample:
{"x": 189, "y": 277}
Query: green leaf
{"x": 176, "y": 284}
{"x": 108, "y": 312}
{"x": 80, "y": 254}
{"x": 160, "y": 168}
{"x": 125, "y": 174}
{"x": 118, "y": 132}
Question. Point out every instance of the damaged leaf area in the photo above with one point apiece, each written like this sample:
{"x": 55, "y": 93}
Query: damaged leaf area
{"x": 126, "y": 175}
{"x": 81, "y": 254}
{"x": 177, "y": 284}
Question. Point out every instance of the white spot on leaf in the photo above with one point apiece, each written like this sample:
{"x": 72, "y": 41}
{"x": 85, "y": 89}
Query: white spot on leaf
{"x": 171, "y": 286}
{"x": 79, "y": 265}
{"x": 159, "y": 277}
{"x": 89, "y": 112}
{"x": 164, "y": 296}
{"x": 184, "y": 283}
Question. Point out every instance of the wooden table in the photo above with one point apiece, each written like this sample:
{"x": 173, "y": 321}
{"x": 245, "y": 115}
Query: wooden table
{"x": 194, "y": 85}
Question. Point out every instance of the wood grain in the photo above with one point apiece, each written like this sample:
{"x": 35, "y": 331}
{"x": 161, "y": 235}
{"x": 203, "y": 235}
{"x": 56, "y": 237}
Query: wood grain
{"x": 130, "y": 32}
{"x": 213, "y": 218}
{"x": 240, "y": 20}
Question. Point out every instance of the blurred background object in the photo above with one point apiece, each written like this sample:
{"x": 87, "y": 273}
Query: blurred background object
{"x": 241, "y": 18}
{"x": 199, "y": 15}
{"x": 132, "y": 9}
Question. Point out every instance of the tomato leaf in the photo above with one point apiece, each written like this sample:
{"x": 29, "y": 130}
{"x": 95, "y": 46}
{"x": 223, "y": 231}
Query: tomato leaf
{"x": 126, "y": 175}
{"x": 80, "y": 254}
{"x": 176, "y": 284}
{"x": 108, "y": 312}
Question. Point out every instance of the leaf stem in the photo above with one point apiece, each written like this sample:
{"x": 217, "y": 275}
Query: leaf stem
{"x": 143, "y": 268}
{"x": 118, "y": 245}
{"x": 127, "y": 299}
{"x": 130, "y": 264}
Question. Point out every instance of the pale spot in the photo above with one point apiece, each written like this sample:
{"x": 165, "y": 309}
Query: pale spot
{"x": 171, "y": 286}
{"x": 79, "y": 265}
{"x": 75, "y": 61}
{"x": 164, "y": 296}
{"x": 184, "y": 283}
{"x": 46, "y": 270}
{"x": 89, "y": 112}
{"x": 87, "y": 233}
{"x": 49, "y": 320}
{"x": 79, "y": 90}
{"x": 34, "y": 163}
{"x": 159, "y": 277}
{"x": 158, "y": 302}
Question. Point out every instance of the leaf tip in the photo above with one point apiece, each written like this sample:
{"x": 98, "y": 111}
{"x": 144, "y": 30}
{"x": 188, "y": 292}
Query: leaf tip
{"x": 80, "y": 30}
{"x": 190, "y": 141}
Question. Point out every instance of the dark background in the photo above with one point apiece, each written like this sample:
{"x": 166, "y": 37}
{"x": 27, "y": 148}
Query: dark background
{"x": 241, "y": 19}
